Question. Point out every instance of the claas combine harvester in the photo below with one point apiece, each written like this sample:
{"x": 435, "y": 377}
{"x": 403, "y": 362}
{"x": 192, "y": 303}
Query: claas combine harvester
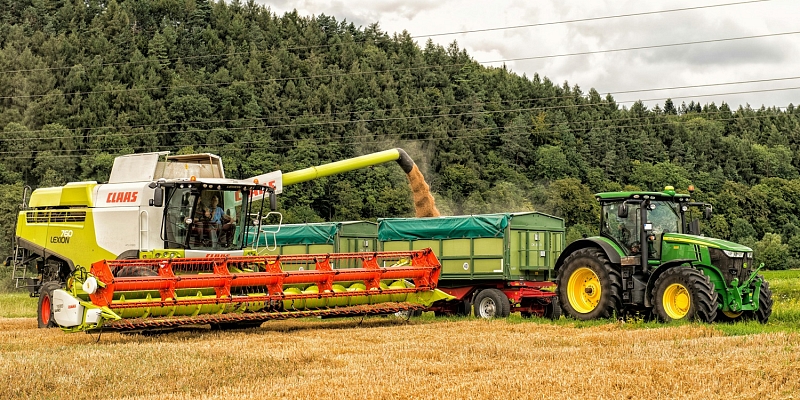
{"x": 170, "y": 241}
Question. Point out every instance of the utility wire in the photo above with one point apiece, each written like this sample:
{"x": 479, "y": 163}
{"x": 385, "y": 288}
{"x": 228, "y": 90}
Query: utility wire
{"x": 293, "y": 140}
{"x": 413, "y": 37}
{"x": 570, "y": 21}
{"x": 333, "y": 75}
{"x": 473, "y": 133}
{"x": 386, "y": 119}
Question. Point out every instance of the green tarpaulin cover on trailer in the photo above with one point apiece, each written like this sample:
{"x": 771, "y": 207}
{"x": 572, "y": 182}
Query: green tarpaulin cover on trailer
{"x": 318, "y": 233}
{"x": 466, "y": 226}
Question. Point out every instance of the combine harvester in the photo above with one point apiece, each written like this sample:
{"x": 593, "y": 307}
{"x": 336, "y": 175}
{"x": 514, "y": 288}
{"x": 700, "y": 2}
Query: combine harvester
{"x": 165, "y": 244}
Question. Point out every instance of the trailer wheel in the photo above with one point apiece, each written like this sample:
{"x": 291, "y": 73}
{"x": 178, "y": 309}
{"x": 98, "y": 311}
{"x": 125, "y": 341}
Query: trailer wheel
{"x": 764, "y": 304}
{"x": 684, "y": 293}
{"x": 492, "y": 303}
{"x": 553, "y": 310}
{"x": 45, "y": 310}
{"x": 588, "y": 285}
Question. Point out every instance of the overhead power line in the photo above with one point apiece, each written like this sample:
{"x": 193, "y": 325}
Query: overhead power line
{"x": 389, "y": 110}
{"x": 464, "y": 133}
{"x": 332, "y": 75}
{"x": 231, "y": 54}
{"x": 373, "y": 120}
{"x": 570, "y": 21}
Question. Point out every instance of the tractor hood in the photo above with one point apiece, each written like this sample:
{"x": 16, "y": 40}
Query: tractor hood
{"x": 705, "y": 241}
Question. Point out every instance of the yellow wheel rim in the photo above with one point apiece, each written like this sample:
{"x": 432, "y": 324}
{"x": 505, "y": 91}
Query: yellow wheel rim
{"x": 676, "y": 301}
{"x": 583, "y": 290}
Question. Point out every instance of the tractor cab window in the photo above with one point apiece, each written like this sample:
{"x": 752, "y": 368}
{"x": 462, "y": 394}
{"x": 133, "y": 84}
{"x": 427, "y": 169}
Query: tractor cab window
{"x": 625, "y": 231}
{"x": 664, "y": 218}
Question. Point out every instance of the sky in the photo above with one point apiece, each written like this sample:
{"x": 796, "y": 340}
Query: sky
{"x": 716, "y": 72}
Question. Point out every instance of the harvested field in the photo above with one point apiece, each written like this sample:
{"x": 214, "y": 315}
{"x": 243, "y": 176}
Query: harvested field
{"x": 387, "y": 358}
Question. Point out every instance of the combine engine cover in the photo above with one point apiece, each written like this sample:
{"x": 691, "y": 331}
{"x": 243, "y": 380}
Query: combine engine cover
{"x": 159, "y": 293}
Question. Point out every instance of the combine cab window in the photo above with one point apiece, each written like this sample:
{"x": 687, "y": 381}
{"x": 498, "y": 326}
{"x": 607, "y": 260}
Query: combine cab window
{"x": 204, "y": 219}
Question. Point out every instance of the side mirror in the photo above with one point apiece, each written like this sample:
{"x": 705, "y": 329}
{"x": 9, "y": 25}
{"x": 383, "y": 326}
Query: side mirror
{"x": 707, "y": 212}
{"x": 273, "y": 201}
{"x": 158, "y": 197}
{"x": 622, "y": 211}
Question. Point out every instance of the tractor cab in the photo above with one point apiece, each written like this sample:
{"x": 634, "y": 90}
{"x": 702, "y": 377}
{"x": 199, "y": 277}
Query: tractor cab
{"x": 637, "y": 221}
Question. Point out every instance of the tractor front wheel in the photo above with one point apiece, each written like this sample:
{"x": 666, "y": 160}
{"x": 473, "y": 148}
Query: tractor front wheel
{"x": 46, "y": 319}
{"x": 492, "y": 303}
{"x": 588, "y": 286}
{"x": 684, "y": 293}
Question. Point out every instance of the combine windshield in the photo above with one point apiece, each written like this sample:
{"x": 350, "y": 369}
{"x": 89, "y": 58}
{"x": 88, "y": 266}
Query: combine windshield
{"x": 206, "y": 219}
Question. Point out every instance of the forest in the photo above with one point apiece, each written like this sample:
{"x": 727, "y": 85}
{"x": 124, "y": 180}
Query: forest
{"x": 82, "y": 81}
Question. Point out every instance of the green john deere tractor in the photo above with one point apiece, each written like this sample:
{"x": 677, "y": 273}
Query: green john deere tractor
{"x": 649, "y": 259}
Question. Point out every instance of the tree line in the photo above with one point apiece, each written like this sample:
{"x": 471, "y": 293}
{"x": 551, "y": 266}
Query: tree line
{"x": 82, "y": 81}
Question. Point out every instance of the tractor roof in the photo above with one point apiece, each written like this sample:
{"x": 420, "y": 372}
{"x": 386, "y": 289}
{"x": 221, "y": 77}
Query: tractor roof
{"x": 667, "y": 195}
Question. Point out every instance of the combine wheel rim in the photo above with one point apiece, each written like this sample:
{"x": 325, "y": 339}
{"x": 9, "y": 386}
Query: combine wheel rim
{"x": 584, "y": 290}
{"x": 677, "y": 301}
{"x": 46, "y": 309}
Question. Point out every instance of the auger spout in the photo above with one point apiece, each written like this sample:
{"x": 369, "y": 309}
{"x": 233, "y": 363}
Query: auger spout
{"x": 423, "y": 201}
{"x": 351, "y": 164}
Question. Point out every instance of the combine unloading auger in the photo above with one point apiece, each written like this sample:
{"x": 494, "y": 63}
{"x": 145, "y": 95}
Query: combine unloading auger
{"x": 158, "y": 293}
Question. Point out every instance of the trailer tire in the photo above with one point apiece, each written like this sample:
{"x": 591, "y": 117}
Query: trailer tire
{"x": 491, "y": 303}
{"x": 588, "y": 285}
{"x": 684, "y": 293}
{"x": 764, "y": 304}
{"x": 553, "y": 310}
{"x": 45, "y": 314}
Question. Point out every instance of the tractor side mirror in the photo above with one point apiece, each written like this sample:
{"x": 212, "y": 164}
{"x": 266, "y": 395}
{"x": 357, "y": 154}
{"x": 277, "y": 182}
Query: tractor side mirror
{"x": 273, "y": 201}
{"x": 158, "y": 197}
{"x": 622, "y": 211}
{"x": 707, "y": 212}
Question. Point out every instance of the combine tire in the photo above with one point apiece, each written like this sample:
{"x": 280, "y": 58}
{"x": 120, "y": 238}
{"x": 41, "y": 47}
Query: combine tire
{"x": 45, "y": 318}
{"x": 492, "y": 303}
{"x": 588, "y": 286}
{"x": 682, "y": 294}
{"x": 764, "y": 304}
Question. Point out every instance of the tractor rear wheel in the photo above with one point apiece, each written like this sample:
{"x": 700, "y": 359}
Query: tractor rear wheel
{"x": 588, "y": 286}
{"x": 764, "y": 304}
{"x": 46, "y": 317}
{"x": 684, "y": 293}
{"x": 492, "y": 303}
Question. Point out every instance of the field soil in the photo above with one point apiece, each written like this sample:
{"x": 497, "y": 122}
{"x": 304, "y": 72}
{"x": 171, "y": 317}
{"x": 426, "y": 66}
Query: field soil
{"x": 388, "y": 358}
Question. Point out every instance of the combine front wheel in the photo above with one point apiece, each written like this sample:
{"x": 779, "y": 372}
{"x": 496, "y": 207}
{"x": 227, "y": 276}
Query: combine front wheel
{"x": 46, "y": 319}
{"x": 588, "y": 286}
{"x": 684, "y": 293}
{"x": 492, "y": 303}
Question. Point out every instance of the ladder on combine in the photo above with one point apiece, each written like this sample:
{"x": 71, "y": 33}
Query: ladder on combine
{"x": 20, "y": 260}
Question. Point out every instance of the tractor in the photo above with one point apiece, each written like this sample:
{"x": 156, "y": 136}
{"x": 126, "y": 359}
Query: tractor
{"x": 650, "y": 260}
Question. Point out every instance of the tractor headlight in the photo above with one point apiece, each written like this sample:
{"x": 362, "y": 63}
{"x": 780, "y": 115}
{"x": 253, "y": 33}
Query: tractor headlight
{"x": 734, "y": 254}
